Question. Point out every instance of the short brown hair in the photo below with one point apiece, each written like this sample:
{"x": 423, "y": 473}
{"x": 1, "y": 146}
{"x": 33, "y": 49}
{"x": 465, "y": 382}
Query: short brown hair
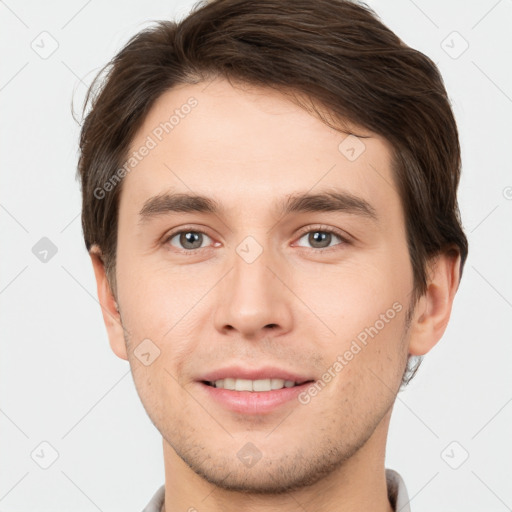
{"x": 336, "y": 54}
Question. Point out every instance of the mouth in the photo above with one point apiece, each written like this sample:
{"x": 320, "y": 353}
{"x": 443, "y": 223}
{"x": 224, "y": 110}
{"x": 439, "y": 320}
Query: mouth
{"x": 252, "y": 391}
{"x": 258, "y": 386}
{"x": 253, "y": 397}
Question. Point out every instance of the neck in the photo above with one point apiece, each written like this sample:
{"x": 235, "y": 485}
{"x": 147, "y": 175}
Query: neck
{"x": 359, "y": 483}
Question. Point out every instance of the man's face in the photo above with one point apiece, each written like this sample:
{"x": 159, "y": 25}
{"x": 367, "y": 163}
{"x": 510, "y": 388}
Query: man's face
{"x": 258, "y": 289}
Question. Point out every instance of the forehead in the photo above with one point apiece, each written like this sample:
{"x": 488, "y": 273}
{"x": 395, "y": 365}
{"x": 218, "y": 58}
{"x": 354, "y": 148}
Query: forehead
{"x": 247, "y": 146}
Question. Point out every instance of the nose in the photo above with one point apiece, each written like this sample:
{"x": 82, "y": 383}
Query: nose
{"x": 252, "y": 300}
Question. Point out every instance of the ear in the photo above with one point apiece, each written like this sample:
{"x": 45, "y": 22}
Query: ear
{"x": 433, "y": 309}
{"x": 109, "y": 308}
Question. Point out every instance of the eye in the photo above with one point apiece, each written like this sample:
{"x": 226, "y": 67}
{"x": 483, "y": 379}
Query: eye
{"x": 188, "y": 240}
{"x": 321, "y": 238}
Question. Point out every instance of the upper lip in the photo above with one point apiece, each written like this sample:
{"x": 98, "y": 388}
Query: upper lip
{"x": 266, "y": 372}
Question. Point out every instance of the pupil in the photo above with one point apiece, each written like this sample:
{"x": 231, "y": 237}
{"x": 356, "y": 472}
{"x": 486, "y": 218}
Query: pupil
{"x": 319, "y": 237}
{"x": 192, "y": 238}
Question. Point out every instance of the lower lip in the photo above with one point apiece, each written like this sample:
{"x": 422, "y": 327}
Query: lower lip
{"x": 253, "y": 402}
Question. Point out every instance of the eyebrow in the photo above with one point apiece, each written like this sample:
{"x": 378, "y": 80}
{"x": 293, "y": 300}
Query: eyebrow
{"x": 346, "y": 202}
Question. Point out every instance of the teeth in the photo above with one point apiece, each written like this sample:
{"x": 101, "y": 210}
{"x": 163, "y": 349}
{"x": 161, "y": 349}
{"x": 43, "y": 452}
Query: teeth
{"x": 253, "y": 385}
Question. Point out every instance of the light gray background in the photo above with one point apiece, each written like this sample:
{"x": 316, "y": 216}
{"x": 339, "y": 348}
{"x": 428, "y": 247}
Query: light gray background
{"x": 61, "y": 384}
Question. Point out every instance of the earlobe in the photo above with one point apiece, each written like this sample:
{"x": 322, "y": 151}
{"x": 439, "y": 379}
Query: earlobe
{"x": 433, "y": 309}
{"x": 109, "y": 307}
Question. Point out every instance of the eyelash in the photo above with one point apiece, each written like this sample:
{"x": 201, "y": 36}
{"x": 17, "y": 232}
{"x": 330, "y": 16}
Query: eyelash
{"x": 321, "y": 229}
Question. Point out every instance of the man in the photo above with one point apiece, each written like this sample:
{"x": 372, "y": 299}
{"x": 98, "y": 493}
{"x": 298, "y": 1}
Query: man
{"x": 269, "y": 202}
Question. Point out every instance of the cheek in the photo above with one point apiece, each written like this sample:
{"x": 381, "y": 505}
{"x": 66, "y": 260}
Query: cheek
{"x": 166, "y": 307}
{"x": 154, "y": 296}
{"x": 362, "y": 307}
{"x": 352, "y": 295}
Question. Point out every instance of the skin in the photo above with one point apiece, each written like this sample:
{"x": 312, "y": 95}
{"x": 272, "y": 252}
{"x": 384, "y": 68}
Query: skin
{"x": 249, "y": 148}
